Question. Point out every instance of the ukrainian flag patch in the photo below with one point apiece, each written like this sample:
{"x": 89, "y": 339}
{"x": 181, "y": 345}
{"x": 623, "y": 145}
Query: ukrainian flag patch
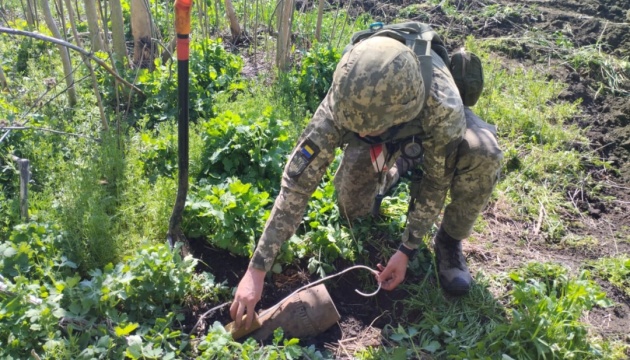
{"x": 307, "y": 151}
{"x": 302, "y": 157}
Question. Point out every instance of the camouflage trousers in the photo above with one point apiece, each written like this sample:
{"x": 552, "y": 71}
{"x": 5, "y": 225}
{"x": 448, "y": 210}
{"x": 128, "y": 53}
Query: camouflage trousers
{"x": 477, "y": 169}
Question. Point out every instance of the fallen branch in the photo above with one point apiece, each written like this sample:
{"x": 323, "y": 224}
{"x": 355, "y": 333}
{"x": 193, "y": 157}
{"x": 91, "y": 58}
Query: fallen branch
{"x": 82, "y": 51}
{"x": 49, "y": 130}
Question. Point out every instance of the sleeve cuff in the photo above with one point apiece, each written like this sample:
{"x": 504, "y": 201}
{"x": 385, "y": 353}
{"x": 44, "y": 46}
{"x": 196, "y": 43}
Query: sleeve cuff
{"x": 258, "y": 262}
{"x": 411, "y": 241}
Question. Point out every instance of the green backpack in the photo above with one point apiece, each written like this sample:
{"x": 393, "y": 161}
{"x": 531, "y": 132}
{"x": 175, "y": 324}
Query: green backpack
{"x": 465, "y": 67}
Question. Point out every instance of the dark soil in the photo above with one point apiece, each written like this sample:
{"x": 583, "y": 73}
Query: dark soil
{"x": 601, "y": 23}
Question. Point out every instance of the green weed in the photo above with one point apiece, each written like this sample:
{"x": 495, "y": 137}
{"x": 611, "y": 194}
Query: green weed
{"x": 231, "y": 215}
{"x": 416, "y": 11}
{"x": 585, "y": 243}
{"x": 212, "y": 70}
{"x": 499, "y": 13}
{"x": 437, "y": 326}
{"x": 538, "y": 318}
{"x": 612, "y": 72}
{"x": 59, "y": 315}
{"x": 615, "y": 270}
{"x": 218, "y": 344}
{"x": 254, "y": 149}
{"x": 541, "y": 162}
{"x": 314, "y": 76}
{"x": 544, "y": 311}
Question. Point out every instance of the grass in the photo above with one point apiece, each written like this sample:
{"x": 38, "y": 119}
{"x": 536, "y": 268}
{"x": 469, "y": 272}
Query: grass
{"x": 541, "y": 162}
{"x": 612, "y": 73}
{"x": 615, "y": 270}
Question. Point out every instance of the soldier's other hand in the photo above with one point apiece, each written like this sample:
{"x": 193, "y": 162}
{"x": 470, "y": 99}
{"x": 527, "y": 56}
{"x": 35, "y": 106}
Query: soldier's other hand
{"x": 247, "y": 295}
{"x": 394, "y": 273}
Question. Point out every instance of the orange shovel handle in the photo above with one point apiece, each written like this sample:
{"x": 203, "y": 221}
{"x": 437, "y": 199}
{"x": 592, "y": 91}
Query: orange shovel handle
{"x": 182, "y": 28}
{"x": 182, "y": 16}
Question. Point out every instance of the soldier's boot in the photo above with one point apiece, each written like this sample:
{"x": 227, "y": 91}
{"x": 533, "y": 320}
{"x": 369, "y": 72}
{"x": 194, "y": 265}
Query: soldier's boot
{"x": 454, "y": 275}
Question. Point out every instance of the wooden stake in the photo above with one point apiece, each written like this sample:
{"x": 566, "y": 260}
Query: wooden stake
{"x": 25, "y": 176}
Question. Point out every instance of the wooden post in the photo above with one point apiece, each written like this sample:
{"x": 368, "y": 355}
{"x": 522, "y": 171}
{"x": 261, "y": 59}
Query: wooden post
{"x": 235, "y": 28}
{"x": 284, "y": 34}
{"x": 4, "y": 85}
{"x": 320, "y": 15}
{"x": 25, "y": 177}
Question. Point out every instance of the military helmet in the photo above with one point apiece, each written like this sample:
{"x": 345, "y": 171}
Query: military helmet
{"x": 376, "y": 85}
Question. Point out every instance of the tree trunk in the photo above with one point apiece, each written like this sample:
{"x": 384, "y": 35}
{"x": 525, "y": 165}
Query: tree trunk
{"x": 234, "y": 26}
{"x": 143, "y": 49}
{"x": 95, "y": 31}
{"x": 118, "y": 34}
{"x": 28, "y": 9}
{"x": 216, "y": 15}
{"x": 320, "y": 15}
{"x": 284, "y": 34}
{"x": 65, "y": 54}
{"x": 62, "y": 18}
{"x": 3, "y": 80}
{"x": 78, "y": 12}
{"x": 97, "y": 93}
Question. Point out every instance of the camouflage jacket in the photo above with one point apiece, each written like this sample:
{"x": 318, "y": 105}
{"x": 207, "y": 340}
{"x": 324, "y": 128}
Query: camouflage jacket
{"x": 440, "y": 126}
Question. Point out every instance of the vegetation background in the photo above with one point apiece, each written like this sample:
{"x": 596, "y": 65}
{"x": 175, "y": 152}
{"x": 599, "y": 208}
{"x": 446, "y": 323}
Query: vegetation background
{"x": 87, "y": 272}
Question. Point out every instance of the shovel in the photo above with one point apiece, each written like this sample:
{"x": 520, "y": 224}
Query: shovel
{"x": 182, "y": 28}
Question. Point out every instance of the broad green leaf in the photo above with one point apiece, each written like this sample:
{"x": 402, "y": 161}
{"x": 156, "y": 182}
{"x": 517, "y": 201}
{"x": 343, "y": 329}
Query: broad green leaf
{"x": 9, "y": 252}
{"x": 126, "y": 330}
{"x": 432, "y": 347}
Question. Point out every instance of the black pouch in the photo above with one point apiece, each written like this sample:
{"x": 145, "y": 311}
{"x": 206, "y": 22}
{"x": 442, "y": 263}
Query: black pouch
{"x": 467, "y": 72}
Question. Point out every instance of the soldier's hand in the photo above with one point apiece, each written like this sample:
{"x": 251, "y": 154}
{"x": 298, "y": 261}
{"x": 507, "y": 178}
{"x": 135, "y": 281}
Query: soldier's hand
{"x": 247, "y": 295}
{"x": 394, "y": 273}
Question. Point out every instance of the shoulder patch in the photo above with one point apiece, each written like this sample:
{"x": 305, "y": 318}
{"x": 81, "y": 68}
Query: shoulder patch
{"x": 305, "y": 154}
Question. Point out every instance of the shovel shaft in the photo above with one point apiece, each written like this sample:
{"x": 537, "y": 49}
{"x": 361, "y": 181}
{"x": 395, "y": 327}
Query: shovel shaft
{"x": 182, "y": 28}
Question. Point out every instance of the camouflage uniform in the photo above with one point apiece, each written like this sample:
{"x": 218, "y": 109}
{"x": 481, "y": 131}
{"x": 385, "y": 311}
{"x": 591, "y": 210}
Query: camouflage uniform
{"x": 460, "y": 153}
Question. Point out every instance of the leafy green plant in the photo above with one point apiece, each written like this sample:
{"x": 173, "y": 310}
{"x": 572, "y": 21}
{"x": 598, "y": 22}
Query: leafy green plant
{"x": 212, "y": 70}
{"x": 143, "y": 285}
{"x": 416, "y": 11}
{"x": 230, "y": 215}
{"x": 218, "y": 344}
{"x": 539, "y": 318}
{"x": 545, "y": 310}
{"x": 87, "y": 203}
{"x": 131, "y": 308}
{"x": 159, "y": 154}
{"x": 501, "y": 13}
{"x": 315, "y": 73}
{"x": 252, "y": 149}
{"x": 612, "y": 72}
